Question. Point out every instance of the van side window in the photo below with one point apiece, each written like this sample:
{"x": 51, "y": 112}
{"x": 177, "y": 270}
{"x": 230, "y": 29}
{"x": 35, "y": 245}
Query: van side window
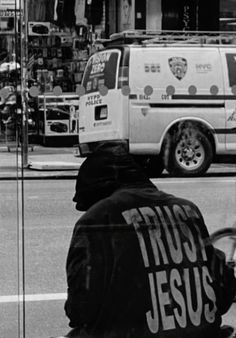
{"x": 231, "y": 63}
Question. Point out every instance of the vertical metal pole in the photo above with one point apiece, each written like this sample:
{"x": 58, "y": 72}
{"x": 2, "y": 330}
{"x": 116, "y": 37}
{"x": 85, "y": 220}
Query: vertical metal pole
{"x": 22, "y": 5}
{"x": 24, "y": 80}
{"x": 197, "y": 16}
{"x": 107, "y": 16}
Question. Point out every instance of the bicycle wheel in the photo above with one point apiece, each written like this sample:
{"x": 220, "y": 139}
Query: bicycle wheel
{"x": 225, "y": 240}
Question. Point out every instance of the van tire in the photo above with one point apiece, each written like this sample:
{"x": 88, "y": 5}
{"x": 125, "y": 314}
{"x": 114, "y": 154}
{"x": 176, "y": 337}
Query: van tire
{"x": 190, "y": 153}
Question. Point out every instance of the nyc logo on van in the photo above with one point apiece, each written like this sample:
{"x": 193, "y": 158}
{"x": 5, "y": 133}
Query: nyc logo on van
{"x": 203, "y": 67}
{"x": 178, "y": 67}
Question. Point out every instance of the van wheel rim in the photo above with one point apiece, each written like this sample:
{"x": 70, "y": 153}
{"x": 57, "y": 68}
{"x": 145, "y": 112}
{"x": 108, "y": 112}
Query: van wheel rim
{"x": 190, "y": 154}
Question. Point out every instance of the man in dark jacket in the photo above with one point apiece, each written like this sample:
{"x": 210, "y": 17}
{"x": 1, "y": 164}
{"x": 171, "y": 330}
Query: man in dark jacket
{"x": 137, "y": 265}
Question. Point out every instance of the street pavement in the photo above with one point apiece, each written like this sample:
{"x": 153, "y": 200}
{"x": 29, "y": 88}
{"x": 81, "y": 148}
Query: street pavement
{"x": 60, "y": 162}
{"x": 46, "y": 162}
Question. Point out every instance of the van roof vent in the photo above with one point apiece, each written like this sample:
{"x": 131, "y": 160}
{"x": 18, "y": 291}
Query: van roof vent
{"x": 167, "y": 37}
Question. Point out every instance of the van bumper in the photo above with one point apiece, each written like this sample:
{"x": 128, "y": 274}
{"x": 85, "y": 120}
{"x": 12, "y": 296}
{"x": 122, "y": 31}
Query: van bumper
{"x": 84, "y": 149}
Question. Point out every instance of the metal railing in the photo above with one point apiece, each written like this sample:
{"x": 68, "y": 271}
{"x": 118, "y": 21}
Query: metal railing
{"x": 175, "y": 37}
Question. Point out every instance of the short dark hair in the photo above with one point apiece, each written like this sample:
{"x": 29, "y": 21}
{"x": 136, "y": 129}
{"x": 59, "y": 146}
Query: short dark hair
{"x": 106, "y": 169}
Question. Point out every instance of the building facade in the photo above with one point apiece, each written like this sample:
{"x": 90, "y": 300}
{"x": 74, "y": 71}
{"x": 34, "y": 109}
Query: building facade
{"x": 60, "y": 32}
{"x": 210, "y": 15}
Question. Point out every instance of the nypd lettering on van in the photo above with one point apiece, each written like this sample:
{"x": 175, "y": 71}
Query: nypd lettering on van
{"x": 93, "y": 100}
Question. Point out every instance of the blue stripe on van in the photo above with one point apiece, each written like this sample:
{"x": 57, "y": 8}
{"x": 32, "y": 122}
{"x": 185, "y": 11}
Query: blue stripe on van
{"x": 192, "y": 97}
{"x": 187, "y": 104}
{"x": 203, "y": 97}
{"x": 224, "y": 131}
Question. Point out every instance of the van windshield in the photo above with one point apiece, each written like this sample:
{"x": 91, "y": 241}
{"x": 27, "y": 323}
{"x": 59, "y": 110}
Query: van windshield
{"x": 101, "y": 70}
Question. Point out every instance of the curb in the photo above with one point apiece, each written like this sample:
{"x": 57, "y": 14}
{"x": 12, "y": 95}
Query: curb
{"x": 54, "y": 165}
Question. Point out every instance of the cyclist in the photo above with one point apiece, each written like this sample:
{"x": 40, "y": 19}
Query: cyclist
{"x": 137, "y": 266}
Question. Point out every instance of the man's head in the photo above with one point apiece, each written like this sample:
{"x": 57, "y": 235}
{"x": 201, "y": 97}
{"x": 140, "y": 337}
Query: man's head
{"x": 108, "y": 168}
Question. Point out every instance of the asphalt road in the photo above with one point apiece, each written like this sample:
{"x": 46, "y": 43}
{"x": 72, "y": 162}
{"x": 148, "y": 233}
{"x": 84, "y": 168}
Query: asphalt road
{"x": 49, "y": 217}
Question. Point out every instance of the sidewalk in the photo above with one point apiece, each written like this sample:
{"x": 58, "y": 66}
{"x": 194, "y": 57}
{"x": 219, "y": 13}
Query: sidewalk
{"x": 42, "y": 162}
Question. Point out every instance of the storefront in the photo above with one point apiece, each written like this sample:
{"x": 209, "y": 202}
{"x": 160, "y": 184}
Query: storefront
{"x": 190, "y": 15}
{"x": 59, "y": 41}
{"x": 60, "y": 33}
{"x": 210, "y": 15}
{"x": 227, "y": 15}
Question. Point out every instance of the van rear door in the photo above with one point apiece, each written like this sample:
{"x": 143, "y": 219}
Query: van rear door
{"x": 102, "y": 106}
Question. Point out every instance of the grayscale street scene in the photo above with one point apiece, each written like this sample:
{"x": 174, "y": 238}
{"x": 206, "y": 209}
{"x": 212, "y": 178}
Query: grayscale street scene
{"x": 118, "y": 168}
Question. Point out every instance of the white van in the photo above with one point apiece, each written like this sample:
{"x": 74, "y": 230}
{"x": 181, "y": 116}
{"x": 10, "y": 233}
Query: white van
{"x": 172, "y": 100}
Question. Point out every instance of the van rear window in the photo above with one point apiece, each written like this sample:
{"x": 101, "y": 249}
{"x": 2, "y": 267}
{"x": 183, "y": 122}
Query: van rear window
{"x": 101, "y": 70}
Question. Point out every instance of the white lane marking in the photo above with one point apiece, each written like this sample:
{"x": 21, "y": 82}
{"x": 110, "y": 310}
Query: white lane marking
{"x": 196, "y": 180}
{"x": 35, "y": 197}
{"x": 33, "y": 298}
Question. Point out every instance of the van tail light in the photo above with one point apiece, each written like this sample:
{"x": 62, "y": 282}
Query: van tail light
{"x": 123, "y": 77}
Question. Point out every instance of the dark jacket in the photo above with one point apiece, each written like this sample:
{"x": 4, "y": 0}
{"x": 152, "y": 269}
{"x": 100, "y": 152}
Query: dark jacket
{"x": 137, "y": 265}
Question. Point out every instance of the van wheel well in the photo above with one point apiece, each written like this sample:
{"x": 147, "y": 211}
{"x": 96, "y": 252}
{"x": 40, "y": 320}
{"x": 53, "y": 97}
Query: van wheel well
{"x": 177, "y": 127}
{"x": 188, "y": 148}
